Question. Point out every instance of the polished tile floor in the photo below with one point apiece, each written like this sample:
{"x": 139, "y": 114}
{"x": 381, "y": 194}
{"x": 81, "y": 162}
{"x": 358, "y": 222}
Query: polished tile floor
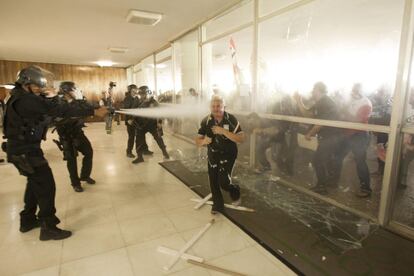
{"x": 119, "y": 222}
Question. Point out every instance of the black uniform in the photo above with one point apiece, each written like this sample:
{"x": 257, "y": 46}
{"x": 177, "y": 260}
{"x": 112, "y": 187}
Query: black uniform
{"x": 130, "y": 102}
{"x": 144, "y": 125}
{"x": 222, "y": 154}
{"x": 72, "y": 140}
{"x": 26, "y": 124}
{"x": 2, "y": 107}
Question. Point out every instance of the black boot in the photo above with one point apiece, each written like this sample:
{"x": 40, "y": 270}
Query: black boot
{"x": 88, "y": 180}
{"x": 138, "y": 160}
{"x": 49, "y": 231}
{"x": 130, "y": 155}
{"x": 147, "y": 152}
{"x": 216, "y": 210}
{"x": 26, "y": 226}
{"x": 166, "y": 155}
{"x": 77, "y": 188}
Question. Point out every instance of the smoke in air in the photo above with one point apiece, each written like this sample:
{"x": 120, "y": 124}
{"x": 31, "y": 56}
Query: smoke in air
{"x": 169, "y": 111}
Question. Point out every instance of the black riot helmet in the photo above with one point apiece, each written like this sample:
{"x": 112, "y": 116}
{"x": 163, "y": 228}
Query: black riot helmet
{"x": 32, "y": 75}
{"x": 144, "y": 90}
{"x": 69, "y": 89}
{"x": 66, "y": 87}
{"x": 131, "y": 87}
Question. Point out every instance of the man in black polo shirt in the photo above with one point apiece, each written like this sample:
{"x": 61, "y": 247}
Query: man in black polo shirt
{"x": 328, "y": 137}
{"x": 221, "y": 132}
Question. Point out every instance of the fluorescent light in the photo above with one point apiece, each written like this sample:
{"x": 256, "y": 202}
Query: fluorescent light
{"x": 118, "y": 50}
{"x": 105, "y": 63}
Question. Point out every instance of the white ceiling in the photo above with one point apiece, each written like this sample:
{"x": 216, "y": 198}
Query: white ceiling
{"x": 81, "y": 31}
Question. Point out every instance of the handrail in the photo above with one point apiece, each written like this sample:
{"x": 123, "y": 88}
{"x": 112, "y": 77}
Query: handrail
{"x": 312, "y": 121}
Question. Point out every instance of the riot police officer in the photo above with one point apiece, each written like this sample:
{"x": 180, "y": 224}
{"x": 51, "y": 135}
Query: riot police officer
{"x": 72, "y": 139}
{"x": 25, "y": 125}
{"x": 144, "y": 125}
{"x": 131, "y": 97}
{"x": 132, "y": 101}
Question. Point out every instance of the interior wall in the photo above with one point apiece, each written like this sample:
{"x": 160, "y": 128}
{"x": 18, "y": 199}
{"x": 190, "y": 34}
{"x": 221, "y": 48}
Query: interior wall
{"x": 90, "y": 79}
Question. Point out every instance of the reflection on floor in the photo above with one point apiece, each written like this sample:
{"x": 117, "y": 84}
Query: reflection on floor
{"x": 315, "y": 237}
{"x": 119, "y": 222}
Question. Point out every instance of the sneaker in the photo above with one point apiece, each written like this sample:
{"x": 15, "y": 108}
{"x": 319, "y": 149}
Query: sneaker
{"x": 78, "y": 188}
{"x": 138, "y": 160}
{"x": 363, "y": 193}
{"x": 88, "y": 180}
{"x": 147, "y": 152}
{"x": 130, "y": 155}
{"x": 320, "y": 189}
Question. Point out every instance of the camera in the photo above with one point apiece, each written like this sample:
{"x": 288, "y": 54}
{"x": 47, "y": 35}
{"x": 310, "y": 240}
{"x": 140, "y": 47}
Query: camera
{"x": 112, "y": 84}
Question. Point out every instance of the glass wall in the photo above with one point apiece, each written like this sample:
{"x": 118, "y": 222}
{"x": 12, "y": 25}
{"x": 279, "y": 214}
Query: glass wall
{"x": 403, "y": 211}
{"x": 164, "y": 72}
{"x": 227, "y": 65}
{"x": 325, "y": 60}
{"x": 138, "y": 75}
{"x": 146, "y": 76}
{"x": 323, "y": 98}
{"x": 338, "y": 43}
{"x": 186, "y": 53}
{"x": 187, "y": 81}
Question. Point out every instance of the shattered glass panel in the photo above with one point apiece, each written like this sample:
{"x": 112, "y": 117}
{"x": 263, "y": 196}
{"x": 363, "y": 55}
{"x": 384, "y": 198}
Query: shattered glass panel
{"x": 343, "y": 230}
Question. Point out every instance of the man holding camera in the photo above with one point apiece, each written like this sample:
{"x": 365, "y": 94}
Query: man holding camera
{"x": 108, "y": 101}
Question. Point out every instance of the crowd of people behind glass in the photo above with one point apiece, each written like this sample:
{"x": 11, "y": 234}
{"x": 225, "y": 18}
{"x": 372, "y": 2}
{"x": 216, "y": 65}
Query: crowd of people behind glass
{"x": 278, "y": 140}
